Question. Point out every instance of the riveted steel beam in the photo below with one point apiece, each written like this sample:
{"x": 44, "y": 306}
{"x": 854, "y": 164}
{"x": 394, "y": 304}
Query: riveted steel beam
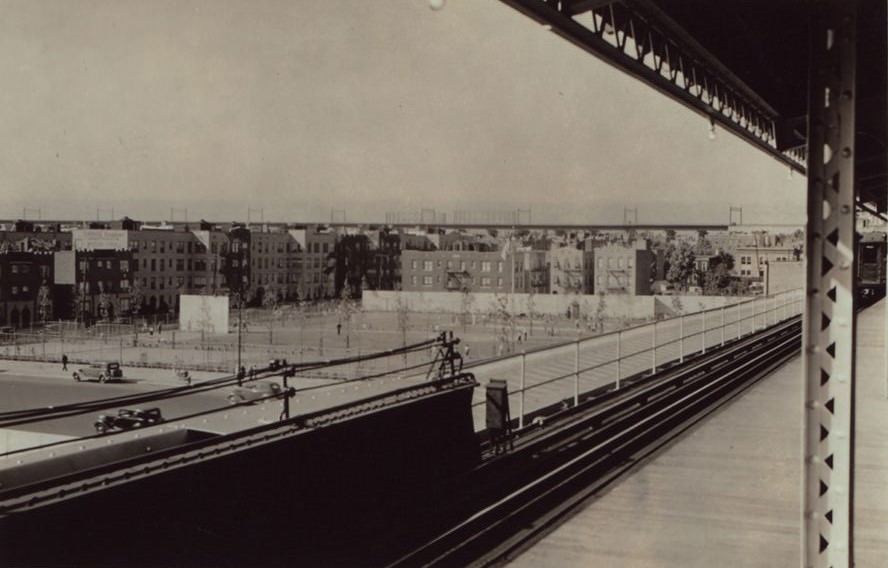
{"x": 639, "y": 39}
{"x": 830, "y": 321}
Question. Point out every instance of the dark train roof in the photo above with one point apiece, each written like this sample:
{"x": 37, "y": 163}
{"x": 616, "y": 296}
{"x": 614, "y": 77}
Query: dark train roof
{"x": 873, "y": 237}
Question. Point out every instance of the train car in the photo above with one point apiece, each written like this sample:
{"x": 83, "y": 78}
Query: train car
{"x": 871, "y": 248}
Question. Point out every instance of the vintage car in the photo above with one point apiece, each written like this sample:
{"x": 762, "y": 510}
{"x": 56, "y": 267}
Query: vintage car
{"x": 128, "y": 418}
{"x": 101, "y": 371}
{"x": 253, "y": 392}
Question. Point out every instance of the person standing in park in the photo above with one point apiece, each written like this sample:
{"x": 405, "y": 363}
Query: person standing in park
{"x": 466, "y": 350}
{"x": 64, "y": 362}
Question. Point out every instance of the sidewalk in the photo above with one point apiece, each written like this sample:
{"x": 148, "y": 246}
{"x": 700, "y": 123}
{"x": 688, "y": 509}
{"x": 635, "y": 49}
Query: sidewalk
{"x": 148, "y": 375}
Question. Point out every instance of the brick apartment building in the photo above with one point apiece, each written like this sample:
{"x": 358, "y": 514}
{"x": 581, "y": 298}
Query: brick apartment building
{"x": 446, "y": 270}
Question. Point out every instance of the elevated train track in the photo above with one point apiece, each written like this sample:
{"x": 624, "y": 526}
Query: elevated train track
{"x": 519, "y": 493}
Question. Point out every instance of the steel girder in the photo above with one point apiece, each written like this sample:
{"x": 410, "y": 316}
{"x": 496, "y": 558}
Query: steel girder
{"x": 830, "y": 321}
{"x": 640, "y": 39}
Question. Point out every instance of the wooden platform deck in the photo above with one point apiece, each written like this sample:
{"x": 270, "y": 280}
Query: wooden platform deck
{"x": 729, "y": 492}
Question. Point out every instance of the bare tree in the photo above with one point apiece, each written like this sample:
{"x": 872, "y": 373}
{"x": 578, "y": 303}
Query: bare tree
{"x": 600, "y": 310}
{"x": 403, "y": 313}
{"x": 270, "y": 302}
{"x": 506, "y": 320}
{"x": 44, "y": 303}
{"x": 347, "y": 307}
{"x": 467, "y": 301}
{"x": 136, "y": 297}
{"x": 531, "y": 308}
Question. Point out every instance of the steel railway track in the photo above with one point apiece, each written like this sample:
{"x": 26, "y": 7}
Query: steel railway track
{"x": 516, "y": 497}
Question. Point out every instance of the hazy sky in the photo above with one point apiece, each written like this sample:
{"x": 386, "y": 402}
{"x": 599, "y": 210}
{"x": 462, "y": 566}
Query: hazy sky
{"x": 297, "y": 107}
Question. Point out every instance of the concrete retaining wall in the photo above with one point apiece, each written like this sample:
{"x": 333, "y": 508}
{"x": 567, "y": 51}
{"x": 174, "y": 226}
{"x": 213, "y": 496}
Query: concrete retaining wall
{"x": 635, "y": 307}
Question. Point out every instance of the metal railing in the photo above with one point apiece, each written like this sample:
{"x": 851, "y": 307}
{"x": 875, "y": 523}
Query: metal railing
{"x": 547, "y": 376}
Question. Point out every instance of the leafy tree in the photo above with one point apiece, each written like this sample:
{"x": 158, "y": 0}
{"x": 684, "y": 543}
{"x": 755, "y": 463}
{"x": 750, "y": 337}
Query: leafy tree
{"x": 682, "y": 263}
{"x": 717, "y": 278}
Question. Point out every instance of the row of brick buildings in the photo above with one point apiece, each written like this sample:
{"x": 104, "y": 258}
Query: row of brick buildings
{"x": 580, "y": 267}
{"x": 127, "y": 268}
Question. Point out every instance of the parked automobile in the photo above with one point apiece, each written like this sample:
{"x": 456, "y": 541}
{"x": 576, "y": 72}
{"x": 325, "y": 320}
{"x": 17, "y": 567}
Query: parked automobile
{"x": 100, "y": 371}
{"x": 128, "y": 418}
{"x": 254, "y": 391}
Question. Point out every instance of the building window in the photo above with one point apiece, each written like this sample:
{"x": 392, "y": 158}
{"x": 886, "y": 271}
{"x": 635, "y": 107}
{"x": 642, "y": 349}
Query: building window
{"x": 629, "y": 262}
{"x": 499, "y": 282}
{"x": 413, "y": 264}
{"x": 600, "y": 263}
{"x": 428, "y": 265}
{"x": 485, "y": 282}
{"x": 499, "y": 266}
{"x": 413, "y": 280}
{"x": 124, "y": 266}
{"x": 15, "y": 290}
{"x": 449, "y": 264}
{"x": 462, "y": 265}
{"x": 485, "y": 266}
{"x": 153, "y": 264}
{"x": 620, "y": 262}
{"x": 426, "y": 280}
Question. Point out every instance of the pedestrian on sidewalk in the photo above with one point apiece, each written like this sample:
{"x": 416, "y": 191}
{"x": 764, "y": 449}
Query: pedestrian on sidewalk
{"x": 64, "y": 362}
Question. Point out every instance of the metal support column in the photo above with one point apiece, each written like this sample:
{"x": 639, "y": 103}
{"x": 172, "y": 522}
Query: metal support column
{"x": 681, "y": 338}
{"x": 829, "y": 318}
{"x": 619, "y": 357}
{"x": 704, "y": 332}
{"x": 654, "y": 349}
{"x": 577, "y": 375}
{"x": 521, "y": 391}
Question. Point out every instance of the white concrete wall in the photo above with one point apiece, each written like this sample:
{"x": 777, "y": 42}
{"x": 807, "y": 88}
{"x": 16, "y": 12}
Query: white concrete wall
{"x": 636, "y": 307}
{"x": 784, "y": 276}
{"x": 209, "y": 313}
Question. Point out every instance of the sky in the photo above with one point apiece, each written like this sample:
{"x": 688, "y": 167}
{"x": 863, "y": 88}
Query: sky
{"x": 224, "y": 108}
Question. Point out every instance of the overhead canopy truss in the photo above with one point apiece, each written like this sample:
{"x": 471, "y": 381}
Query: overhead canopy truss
{"x": 644, "y": 41}
{"x": 784, "y": 76}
